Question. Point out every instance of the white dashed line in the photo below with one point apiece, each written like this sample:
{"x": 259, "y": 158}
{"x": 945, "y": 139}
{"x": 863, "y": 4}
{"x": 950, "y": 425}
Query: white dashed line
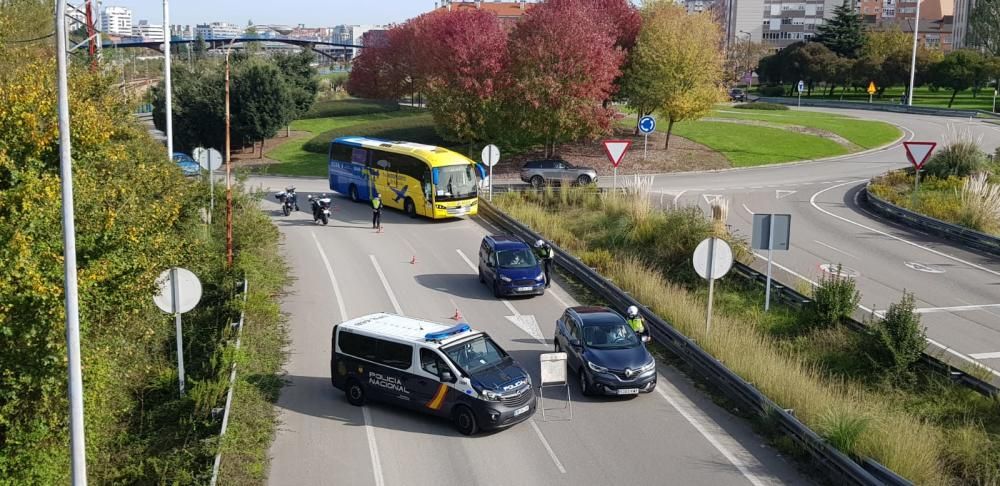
{"x": 548, "y": 448}
{"x": 385, "y": 283}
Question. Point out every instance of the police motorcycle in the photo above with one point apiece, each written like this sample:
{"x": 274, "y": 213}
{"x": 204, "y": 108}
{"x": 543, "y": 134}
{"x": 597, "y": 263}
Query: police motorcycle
{"x": 320, "y": 208}
{"x": 288, "y": 200}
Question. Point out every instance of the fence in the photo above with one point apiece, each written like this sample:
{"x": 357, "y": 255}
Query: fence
{"x": 892, "y": 107}
{"x": 229, "y": 394}
{"x": 728, "y": 382}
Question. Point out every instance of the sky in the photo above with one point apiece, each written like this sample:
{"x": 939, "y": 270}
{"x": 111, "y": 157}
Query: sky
{"x": 312, "y": 13}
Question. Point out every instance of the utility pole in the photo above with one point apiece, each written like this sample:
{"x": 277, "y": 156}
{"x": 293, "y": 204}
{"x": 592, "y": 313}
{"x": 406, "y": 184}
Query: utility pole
{"x": 77, "y": 442}
{"x": 166, "y": 80}
{"x": 913, "y": 59}
{"x": 229, "y": 186}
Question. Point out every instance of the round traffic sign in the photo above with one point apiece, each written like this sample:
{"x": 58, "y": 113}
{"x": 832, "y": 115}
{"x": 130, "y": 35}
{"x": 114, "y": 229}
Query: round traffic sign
{"x": 714, "y": 253}
{"x": 491, "y": 155}
{"x": 208, "y": 159}
{"x": 188, "y": 290}
{"x": 647, "y": 124}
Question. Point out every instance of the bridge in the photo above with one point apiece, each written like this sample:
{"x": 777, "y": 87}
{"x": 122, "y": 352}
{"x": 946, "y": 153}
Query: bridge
{"x": 218, "y": 43}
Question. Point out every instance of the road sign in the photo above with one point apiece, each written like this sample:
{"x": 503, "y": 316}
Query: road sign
{"x": 490, "y": 157}
{"x": 801, "y": 86}
{"x": 647, "y": 124}
{"x": 871, "y": 88}
{"x": 615, "y": 150}
{"x": 762, "y": 234}
{"x": 179, "y": 291}
{"x": 918, "y": 152}
{"x": 208, "y": 159}
{"x": 712, "y": 259}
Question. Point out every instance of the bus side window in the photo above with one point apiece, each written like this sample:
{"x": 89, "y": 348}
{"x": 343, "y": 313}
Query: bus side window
{"x": 340, "y": 152}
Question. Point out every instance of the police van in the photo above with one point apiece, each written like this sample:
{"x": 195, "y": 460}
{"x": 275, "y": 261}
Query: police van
{"x": 454, "y": 372}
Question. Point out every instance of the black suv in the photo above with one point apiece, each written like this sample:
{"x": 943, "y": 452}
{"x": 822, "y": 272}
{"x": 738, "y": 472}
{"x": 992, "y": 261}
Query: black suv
{"x": 606, "y": 355}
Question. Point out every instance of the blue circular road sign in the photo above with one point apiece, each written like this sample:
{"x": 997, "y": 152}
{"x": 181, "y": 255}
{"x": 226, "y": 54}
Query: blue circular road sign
{"x": 647, "y": 124}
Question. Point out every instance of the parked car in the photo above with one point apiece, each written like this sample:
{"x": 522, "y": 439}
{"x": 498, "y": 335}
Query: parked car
{"x": 737, "y": 94}
{"x": 538, "y": 173}
{"x": 188, "y": 165}
{"x": 603, "y": 351}
{"x": 510, "y": 267}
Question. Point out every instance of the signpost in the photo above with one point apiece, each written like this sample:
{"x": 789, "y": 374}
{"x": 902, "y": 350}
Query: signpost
{"x": 712, "y": 260}
{"x": 801, "y": 87}
{"x": 490, "y": 157}
{"x": 994, "y": 100}
{"x": 646, "y": 125}
{"x": 615, "y": 150}
{"x": 770, "y": 232}
{"x": 179, "y": 292}
{"x": 918, "y": 153}
{"x": 209, "y": 159}
{"x": 871, "y": 90}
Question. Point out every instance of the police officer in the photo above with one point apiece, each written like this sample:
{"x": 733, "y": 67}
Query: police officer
{"x": 545, "y": 253}
{"x": 376, "y": 211}
{"x": 635, "y": 320}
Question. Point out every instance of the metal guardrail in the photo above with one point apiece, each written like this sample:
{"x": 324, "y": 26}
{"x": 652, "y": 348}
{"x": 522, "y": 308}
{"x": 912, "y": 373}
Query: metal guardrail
{"x": 731, "y": 384}
{"x": 892, "y": 107}
{"x": 965, "y": 236}
{"x": 229, "y": 394}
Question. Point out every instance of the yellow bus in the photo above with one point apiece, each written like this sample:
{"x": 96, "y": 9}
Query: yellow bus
{"x": 421, "y": 180}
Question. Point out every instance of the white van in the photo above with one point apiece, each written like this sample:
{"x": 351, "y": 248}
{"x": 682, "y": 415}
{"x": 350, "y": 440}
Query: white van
{"x": 453, "y": 372}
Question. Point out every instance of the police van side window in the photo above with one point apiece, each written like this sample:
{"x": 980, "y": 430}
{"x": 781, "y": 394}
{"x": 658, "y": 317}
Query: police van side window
{"x": 431, "y": 362}
{"x": 394, "y": 354}
{"x": 379, "y": 351}
{"x": 357, "y": 345}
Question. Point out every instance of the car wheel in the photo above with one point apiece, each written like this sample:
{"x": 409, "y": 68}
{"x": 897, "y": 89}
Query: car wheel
{"x": 355, "y": 393}
{"x": 496, "y": 290}
{"x": 482, "y": 279}
{"x": 537, "y": 182}
{"x": 584, "y": 387}
{"x": 465, "y": 420}
{"x": 583, "y": 180}
{"x": 354, "y": 193}
{"x": 410, "y": 208}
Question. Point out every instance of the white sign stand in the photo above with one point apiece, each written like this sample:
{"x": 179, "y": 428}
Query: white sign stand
{"x": 179, "y": 292}
{"x": 553, "y": 368}
{"x": 712, "y": 260}
{"x": 490, "y": 157}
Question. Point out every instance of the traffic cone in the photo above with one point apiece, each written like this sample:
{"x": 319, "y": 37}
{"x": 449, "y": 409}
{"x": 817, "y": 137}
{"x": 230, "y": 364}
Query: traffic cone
{"x": 457, "y": 316}
{"x": 413, "y": 261}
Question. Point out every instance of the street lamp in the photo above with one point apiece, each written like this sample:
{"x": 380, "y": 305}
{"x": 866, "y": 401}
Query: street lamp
{"x": 913, "y": 60}
{"x": 166, "y": 80}
{"x": 749, "y": 67}
{"x": 229, "y": 187}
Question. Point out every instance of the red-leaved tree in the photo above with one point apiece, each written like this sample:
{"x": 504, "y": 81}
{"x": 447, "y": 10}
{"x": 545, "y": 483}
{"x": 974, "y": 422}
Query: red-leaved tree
{"x": 387, "y": 70}
{"x": 563, "y": 66}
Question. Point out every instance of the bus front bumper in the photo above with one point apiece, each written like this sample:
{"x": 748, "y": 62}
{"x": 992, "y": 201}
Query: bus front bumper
{"x": 451, "y": 210}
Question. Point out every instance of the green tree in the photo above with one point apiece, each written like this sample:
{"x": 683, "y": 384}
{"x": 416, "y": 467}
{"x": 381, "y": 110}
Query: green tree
{"x": 957, "y": 71}
{"x": 301, "y": 76}
{"x": 984, "y": 26}
{"x": 261, "y": 101}
{"x": 200, "y": 47}
{"x": 677, "y": 67}
{"x": 844, "y": 33}
{"x": 897, "y": 341}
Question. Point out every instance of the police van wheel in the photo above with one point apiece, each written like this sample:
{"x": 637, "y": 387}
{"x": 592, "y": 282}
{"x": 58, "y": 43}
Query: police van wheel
{"x": 465, "y": 420}
{"x": 355, "y": 393}
{"x": 354, "y": 193}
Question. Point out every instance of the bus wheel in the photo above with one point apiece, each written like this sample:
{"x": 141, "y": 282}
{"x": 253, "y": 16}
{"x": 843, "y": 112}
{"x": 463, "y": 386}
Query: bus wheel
{"x": 410, "y": 208}
{"x": 354, "y": 193}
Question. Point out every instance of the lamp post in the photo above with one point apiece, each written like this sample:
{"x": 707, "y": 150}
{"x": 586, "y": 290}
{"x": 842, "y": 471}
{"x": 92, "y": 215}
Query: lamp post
{"x": 168, "y": 103}
{"x": 749, "y": 67}
{"x": 229, "y": 186}
{"x": 913, "y": 59}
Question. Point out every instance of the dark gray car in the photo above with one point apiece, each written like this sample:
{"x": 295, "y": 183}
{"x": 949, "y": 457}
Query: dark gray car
{"x": 538, "y": 173}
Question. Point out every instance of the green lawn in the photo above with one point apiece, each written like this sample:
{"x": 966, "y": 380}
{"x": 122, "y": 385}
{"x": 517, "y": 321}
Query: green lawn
{"x": 865, "y": 134}
{"x": 748, "y": 145}
{"x": 921, "y": 97}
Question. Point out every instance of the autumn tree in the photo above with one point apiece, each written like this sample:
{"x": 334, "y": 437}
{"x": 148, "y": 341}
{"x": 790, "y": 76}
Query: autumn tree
{"x": 677, "y": 68}
{"x": 563, "y": 71}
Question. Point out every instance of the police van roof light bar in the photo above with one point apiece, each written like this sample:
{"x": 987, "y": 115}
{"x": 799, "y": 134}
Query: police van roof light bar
{"x": 451, "y": 331}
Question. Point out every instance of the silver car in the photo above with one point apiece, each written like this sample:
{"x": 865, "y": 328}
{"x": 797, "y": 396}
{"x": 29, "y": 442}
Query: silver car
{"x": 538, "y": 173}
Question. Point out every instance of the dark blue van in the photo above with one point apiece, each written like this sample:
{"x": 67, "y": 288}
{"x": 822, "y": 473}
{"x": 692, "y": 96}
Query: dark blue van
{"x": 510, "y": 267}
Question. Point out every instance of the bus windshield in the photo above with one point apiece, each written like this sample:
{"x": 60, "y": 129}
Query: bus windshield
{"x": 455, "y": 182}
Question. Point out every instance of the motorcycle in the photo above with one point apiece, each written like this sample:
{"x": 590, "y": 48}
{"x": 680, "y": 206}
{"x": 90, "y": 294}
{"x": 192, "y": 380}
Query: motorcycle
{"x": 288, "y": 200}
{"x": 320, "y": 208}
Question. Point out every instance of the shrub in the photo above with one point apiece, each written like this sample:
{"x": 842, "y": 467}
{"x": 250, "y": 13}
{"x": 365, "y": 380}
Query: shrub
{"x": 772, "y": 90}
{"x": 417, "y": 128}
{"x": 960, "y": 159}
{"x": 335, "y": 108}
{"x": 842, "y": 428}
{"x": 761, "y": 105}
{"x": 897, "y": 341}
{"x": 980, "y": 203}
{"x": 835, "y": 298}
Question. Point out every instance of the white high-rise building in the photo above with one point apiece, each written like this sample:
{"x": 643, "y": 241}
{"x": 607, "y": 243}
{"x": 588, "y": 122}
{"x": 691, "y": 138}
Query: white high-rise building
{"x": 218, "y": 30}
{"x": 149, "y": 32}
{"x": 116, "y": 21}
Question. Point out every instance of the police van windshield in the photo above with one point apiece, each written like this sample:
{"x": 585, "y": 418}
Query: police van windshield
{"x": 523, "y": 258}
{"x": 476, "y": 354}
{"x": 610, "y": 336}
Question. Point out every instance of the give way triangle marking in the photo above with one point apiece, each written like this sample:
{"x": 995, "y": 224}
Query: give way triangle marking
{"x": 710, "y": 198}
{"x": 783, "y": 193}
{"x": 615, "y": 150}
{"x": 528, "y": 324}
{"x": 918, "y": 152}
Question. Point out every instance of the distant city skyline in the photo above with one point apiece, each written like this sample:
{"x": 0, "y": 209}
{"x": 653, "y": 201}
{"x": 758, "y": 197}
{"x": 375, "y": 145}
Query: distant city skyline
{"x": 312, "y": 13}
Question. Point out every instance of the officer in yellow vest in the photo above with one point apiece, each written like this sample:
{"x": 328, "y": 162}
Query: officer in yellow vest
{"x": 635, "y": 320}
{"x": 376, "y": 212}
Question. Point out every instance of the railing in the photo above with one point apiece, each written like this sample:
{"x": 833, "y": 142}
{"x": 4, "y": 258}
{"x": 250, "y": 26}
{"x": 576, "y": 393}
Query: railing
{"x": 893, "y": 107}
{"x": 731, "y": 384}
{"x": 965, "y": 236}
{"x": 229, "y": 394}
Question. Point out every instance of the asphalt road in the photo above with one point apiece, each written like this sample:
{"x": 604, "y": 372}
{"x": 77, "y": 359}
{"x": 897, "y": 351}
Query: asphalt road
{"x": 957, "y": 291}
{"x": 674, "y": 435}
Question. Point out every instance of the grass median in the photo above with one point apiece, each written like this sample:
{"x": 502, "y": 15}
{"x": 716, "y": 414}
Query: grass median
{"x": 922, "y": 96}
{"x": 749, "y": 145}
{"x": 928, "y": 429}
{"x": 863, "y": 133}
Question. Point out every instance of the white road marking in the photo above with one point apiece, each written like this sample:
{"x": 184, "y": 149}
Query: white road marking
{"x": 709, "y": 198}
{"x": 528, "y": 324}
{"x": 835, "y": 249}
{"x": 372, "y": 447}
{"x": 923, "y": 267}
{"x": 985, "y": 355}
{"x": 545, "y": 443}
{"x": 333, "y": 279}
{"x": 745, "y": 208}
{"x": 553, "y": 293}
{"x": 711, "y": 431}
{"x": 385, "y": 283}
{"x": 881, "y": 313}
{"x": 812, "y": 201}
{"x": 783, "y": 193}
{"x": 678, "y": 196}
{"x": 959, "y": 308}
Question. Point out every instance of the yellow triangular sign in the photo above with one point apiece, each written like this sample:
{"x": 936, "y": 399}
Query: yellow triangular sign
{"x": 871, "y": 87}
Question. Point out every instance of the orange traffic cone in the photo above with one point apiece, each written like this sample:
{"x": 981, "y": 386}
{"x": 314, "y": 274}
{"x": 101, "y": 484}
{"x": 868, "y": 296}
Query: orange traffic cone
{"x": 457, "y": 316}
